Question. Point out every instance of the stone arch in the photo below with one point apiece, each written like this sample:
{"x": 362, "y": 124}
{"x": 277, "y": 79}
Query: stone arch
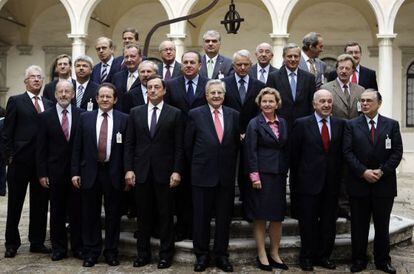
{"x": 396, "y": 5}
{"x": 71, "y": 13}
{"x": 2, "y": 2}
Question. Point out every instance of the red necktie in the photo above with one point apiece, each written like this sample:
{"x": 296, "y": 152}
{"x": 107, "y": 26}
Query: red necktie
{"x": 372, "y": 131}
{"x": 65, "y": 124}
{"x": 217, "y": 125}
{"x": 354, "y": 78}
{"x": 36, "y": 104}
{"x": 103, "y": 136}
{"x": 325, "y": 136}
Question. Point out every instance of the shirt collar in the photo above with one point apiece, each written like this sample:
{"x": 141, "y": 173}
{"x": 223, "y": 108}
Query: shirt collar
{"x": 60, "y": 109}
{"x": 135, "y": 73}
{"x": 319, "y": 118}
{"x": 220, "y": 109}
{"x": 268, "y": 121}
{"x": 195, "y": 80}
{"x": 305, "y": 56}
{"x": 342, "y": 84}
{"x": 266, "y": 68}
{"x": 100, "y": 112}
{"x": 31, "y": 95}
{"x": 109, "y": 63}
{"x": 288, "y": 71}
{"x": 369, "y": 119}
{"x": 159, "y": 106}
{"x": 171, "y": 65}
{"x": 214, "y": 59}
{"x": 84, "y": 84}
{"x": 358, "y": 68}
{"x": 245, "y": 78}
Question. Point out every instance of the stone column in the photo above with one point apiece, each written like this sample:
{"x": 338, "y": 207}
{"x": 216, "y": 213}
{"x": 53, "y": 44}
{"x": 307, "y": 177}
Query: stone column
{"x": 78, "y": 44}
{"x": 279, "y": 41}
{"x": 385, "y": 76}
{"x": 3, "y": 75}
{"x": 178, "y": 40}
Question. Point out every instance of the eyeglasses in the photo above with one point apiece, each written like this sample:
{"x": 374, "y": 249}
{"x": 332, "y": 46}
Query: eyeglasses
{"x": 35, "y": 77}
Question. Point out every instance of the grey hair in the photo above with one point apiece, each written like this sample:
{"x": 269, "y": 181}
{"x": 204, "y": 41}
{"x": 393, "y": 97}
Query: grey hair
{"x": 214, "y": 82}
{"x": 310, "y": 39}
{"x": 69, "y": 84}
{"x": 243, "y": 53}
{"x": 317, "y": 94}
{"x": 31, "y": 68}
{"x": 290, "y": 46}
{"x": 160, "y": 48}
{"x": 212, "y": 33}
{"x": 147, "y": 62}
{"x": 84, "y": 58}
{"x": 266, "y": 45}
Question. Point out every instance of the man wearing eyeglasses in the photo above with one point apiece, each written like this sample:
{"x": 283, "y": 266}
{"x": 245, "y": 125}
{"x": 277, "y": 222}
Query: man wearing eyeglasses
{"x": 169, "y": 68}
{"x": 20, "y": 132}
{"x": 104, "y": 70}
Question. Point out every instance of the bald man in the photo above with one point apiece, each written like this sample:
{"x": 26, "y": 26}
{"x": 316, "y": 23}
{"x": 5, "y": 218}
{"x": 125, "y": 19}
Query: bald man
{"x": 261, "y": 70}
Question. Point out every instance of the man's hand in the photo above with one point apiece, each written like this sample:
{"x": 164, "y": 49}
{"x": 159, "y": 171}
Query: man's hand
{"x": 129, "y": 179}
{"x": 44, "y": 181}
{"x": 257, "y": 184}
{"x": 76, "y": 181}
{"x": 175, "y": 179}
{"x": 371, "y": 176}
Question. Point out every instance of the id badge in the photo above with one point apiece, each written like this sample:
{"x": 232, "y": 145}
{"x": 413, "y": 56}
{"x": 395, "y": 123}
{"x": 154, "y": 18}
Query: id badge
{"x": 220, "y": 75}
{"x": 119, "y": 138}
{"x": 89, "y": 107}
{"x": 387, "y": 142}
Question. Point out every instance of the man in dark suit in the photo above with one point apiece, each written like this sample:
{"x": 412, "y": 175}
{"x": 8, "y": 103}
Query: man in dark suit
{"x": 214, "y": 65}
{"x": 311, "y": 49}
{"x": 57, "y": 128}
{"x": 2, "y": 161}
{"x": 295, "y": 85}
{"x": 63, "y": 66}
{"x": 85, "y": 89}
{"x": 373, "y": 150}
{"x": 153, "y": 165}
{"x": 362, "y": 76}
{"x": 127, "y": 79}
{"x": 129, "y": 36}
{"x": 97, "y": 169}
{"x": 211, "y": 143}
{"x": 108, "y": 65}
{"x": 185, "y": 93}
{"x": 315, "y": 177}
{"x": 20, "y": 132}
{"x": 169, "y": 68}
{"x": 262, "y": 69}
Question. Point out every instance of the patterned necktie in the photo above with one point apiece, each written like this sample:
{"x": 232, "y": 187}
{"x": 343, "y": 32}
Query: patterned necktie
{"x": 36, "y": 104}
{"x": 242, "y": 90}
{"x": 104, "y": 73}
{"x": 153, "y": 124}
{"x": 293, "y": 85}
{"x": 130, "y": 81}
{"x": 65, "y": 123}
{"x": 347, "y": 96}
{"x": 354, "y": 78}
{"x": 312, "y": 66}
{"x": 79, "y": 96}
{"x": 262, "y": 77}
{"x": 372, "y": 131}
{"x": 167, "y": 72}
{"x": 103, "y": 136}
{"x": 325, "y": 136}
{"x": 218, "y": 126}
{"x": 190, "y": 92}
{"x": 210, "y": 68}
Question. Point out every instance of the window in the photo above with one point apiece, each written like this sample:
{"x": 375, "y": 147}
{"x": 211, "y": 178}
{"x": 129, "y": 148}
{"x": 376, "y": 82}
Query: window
{"x": 410, "y": 96}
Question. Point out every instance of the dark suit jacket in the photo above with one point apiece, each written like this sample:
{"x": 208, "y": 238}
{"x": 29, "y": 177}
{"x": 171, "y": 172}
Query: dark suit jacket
{"x": 253, "y": 71}
{"x": 21, "y": 127}
{"x": 120, "y": 80}
{"x": 115, "y": 67}
{"x": 265, "y": 153}
{"x": 312, "y": 168}
{"x": 49, "y": 90}
{"x": 163, "y": 153}
{"x": 232, "y": 99}
{"x": 212, "y": 162}
{"x": 361, "y": 154}
{"x": 367, "y": 77}
{"x": 177, "y": 94}
{"x": 132, "y": 99}
{"x": 305, "y": 88}
{"x": 88, "y": 96}
{"x": 223, "y": 65}
{"x": 85, "y": 153}
{"x": 54, "y": 152}
{"x": 176, "y": 70}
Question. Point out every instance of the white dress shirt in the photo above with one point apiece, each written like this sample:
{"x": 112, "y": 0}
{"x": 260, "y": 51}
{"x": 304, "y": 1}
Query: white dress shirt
{"x": 151, "y": 109}
{"x": 40, "y": 102}
{"x": 99, "y": 121}
{"x": 220, "y": 115}
{"x": 68, "y": 115}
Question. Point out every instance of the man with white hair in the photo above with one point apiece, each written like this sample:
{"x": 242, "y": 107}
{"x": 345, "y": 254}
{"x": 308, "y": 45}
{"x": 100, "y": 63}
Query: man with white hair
{"x": 261, "y": 70}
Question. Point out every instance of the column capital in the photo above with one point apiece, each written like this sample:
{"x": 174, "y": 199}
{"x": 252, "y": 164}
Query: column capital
{"x": 24, "y": 49}
{"x": 386, "y": 36}
{"x": 57, "y": 49}
{"x": 76, "y": 35}
{"x": 176, "y": 36}
{"x": 275, "y": 36}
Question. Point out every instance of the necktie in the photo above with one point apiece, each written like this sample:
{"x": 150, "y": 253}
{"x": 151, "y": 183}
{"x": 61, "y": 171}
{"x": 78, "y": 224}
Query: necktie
{"x": 325, "y": 136}
{"x": 153, "y": 124}
{"x": 167, "y": 72}
{"x": 372, "y": 131}
{"x": 36, "y": 104}
{"x": 354, "y": 78}
{"x": 293, "y": 85}
{"x": 130, "y": 81}
{"x": 347, "y": 96}
{"x": 217, "y": 125}
{"x": 103, "y": 136}
{"x": 242, "y": 90}
{"x": 312, "y": 66}
{"x": 190, "y": 92}
{"x": 79, "y": 96}
{"x": 65, "y": 123}
{"x": 104, "y": 73}
{"x": 262, "y": 77}
{"x": 210, "y": 68}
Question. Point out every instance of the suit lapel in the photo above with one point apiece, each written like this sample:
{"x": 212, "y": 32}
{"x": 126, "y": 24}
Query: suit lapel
{"x": 266, "y": 127}
{"x": 209, "y": 121}
{"x": 217, "y": 66}
{"x": 381, "y": 127}
{"x": 285, "y": 83}
{"x": 161, "y": 118}
{"x": 315, "y": 130}
{"x": 363, "y": 126}
{"x": 228, "y": 123}
{"x": 75, "y": 120}
{"x": 233, "y": 85}
{"x": 30, "y": 104}
{"x": 115, "y": 128}
{"x": 55, "y": 118}
{"x": 299, "y": 84}
{"x": 338, "y": 90}
{"x": 183, "y": 89}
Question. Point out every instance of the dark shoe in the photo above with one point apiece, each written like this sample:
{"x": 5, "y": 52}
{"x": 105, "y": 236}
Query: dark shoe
{"x": 328, "y": 264}
{"x": 224, "y": 264}
{"x": 40, "y": 249}
{"x": 358, "y": 266}
{"x": 306, "y": 265}
{"x": 264, "y": 267}
{"x": 89, "y": 262}
{"x": 141, "y": 261}
{"x": 10, "y": 253}
{"x": 112, "y": 260}
{"x": 57, "y": 256}
{"x": 164, "y": 263}
{"x": 201, "y": 264}
{"x": 275, "y": 264}
{"x": 387, "y": 268}
{"x": 78, "y": 254}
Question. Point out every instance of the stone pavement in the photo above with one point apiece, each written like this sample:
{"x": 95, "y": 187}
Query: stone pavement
{"x": 25, "y": 262}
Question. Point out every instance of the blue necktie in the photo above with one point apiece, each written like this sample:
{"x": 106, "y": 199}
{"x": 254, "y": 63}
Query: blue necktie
{"x": 190, "y": 92}
{"x": 293, "y": 85}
